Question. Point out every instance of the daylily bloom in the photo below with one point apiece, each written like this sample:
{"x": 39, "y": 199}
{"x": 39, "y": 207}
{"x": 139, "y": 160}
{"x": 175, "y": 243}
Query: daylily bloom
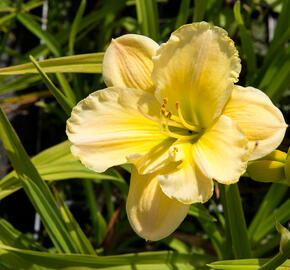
{"x": 174, "y": 112}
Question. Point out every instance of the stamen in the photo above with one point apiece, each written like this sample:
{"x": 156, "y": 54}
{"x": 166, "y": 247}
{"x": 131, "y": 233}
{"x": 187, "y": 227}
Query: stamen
{"x": 186, "y": 124}
{"x": 169, "y": 115}
{"x": 166, "y": 131}
{"x": 167, "y": 120}
{"x": 173, "y": 153}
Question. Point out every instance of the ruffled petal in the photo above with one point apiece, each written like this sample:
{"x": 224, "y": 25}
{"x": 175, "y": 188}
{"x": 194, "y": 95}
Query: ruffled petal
{"x": 197, "y": 68}
{"x": 151, "y": 213}
{"x": 108, "y": 126}
{"x": 190, "y": 182}
{"x": 224, "y": 149}
{"x": 128, "y": 62}
{"x": 262, "y": 122}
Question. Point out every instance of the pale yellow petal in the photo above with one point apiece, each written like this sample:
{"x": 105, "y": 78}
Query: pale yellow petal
{"x": 190, "y": 182}
{"x": 158, "y": 157}
{"x": 224, "y": 149}
{"x": 128, "y": 62}
{"x": 262, "y": 122}
{"x": 107, "y": 126}
{"x": 151, "y": 213}
{"x": 197, "y": 67}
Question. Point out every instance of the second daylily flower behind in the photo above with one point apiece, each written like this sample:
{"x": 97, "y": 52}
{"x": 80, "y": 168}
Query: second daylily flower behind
{"x": 174, "y": 112}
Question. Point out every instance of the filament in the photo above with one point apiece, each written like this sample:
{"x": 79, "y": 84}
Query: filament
{"x": 186, "y": 124}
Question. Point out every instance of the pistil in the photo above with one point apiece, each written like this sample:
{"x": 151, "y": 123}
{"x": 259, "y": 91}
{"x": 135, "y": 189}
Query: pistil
{"x": 182, "y": 120}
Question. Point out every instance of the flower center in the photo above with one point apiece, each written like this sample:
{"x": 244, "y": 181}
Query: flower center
{"x": 174, "y": 126}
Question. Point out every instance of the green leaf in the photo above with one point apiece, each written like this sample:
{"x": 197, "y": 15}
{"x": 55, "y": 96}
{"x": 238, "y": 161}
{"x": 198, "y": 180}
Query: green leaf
{"x": 280, "y": 82}
{"x": 274, "y": 263}
{"x": 176, "y": 245}
{"x": 283, "y": 20}
{"x": 64, "y": 102}
{"x": 50, "y": 216}
{"x": 75, "y": 25}
{"x": 270, "y": 202}
{"x": 147, "y": 16}
{"x": 41, "y": 50}
{"x": 57, "y": 163}
{"x": 236, "y": 221}
{"x": 200, "y": 212}
{"x": 19, "y": 83}
{"x": 284, "y": 251}
{"x": 271, "y": 77}
{"x": 207, "y": 222}
{"x": 183, "y": 13}
{"x": 266, "y": 245}
{"x": 281, "y": 37}
{"x": 9, "y": 260}
{"x": 11, "y": 237}
{"x": 7, "y": 18}
{"x": 247, "y": 43}
{"x": 81, "y": 241}
{"x": 161, "y": 260}
{"x": 84, "y": 63}
{"x": 35, "y": 188}
{"x": 285, "y": 239}
{"x": 199, "y": 10}
{"x": 249, "y": 264}
{"x": 282, "y": 214}
{"x": 66, "y": 89}
{"x": 28, "y": 21}
{"x": 98, "y": 221}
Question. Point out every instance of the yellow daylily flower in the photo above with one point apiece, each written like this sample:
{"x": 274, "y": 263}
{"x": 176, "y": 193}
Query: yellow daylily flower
{"x": 174, "y": 112}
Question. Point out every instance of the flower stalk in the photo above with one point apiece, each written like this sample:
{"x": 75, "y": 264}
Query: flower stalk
{"x": 235, "y": 221}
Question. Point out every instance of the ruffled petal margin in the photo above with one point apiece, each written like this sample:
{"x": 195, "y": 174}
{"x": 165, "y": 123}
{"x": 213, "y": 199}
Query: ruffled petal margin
{"x": 110, "y": 125}
{"x": 262, "y": 122}
{"x": 224, "y": 150}
{"x": 190, "y": 182}
{"x": 197, "y": 67}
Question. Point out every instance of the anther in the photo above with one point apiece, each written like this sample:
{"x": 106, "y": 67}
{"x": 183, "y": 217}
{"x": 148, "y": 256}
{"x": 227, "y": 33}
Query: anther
{"x": 165, "y": 100}
{"x": 169, "y": 115}
{"x": 175, "y": 149}
{"x": 177, "y": 105}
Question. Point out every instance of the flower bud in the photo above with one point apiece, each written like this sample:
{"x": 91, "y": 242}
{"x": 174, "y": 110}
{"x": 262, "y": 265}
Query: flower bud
{"x": 269, "y": 168}
{"x": 285, "y": 239}
{"x": 287, "y": 168}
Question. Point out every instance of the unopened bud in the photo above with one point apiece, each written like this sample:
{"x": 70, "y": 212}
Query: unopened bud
{"x": 270, "y": 168}
{"x": 287, "y": 168}
{"x": 285, "y": 239}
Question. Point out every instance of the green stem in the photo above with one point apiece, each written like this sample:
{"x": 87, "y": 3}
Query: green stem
{"x": 274, "y": 262}
{"x": 235, "y": 221}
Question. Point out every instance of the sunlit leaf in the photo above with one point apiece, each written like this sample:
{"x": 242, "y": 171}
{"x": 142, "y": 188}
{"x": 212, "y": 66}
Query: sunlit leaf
{"x": 249, "y": 264}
